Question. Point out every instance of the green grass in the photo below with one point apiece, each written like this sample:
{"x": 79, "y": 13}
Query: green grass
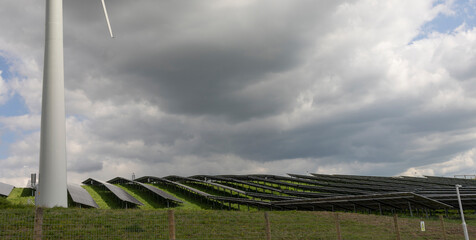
{"x": 104, "y": 198}
{"x": 214, "y": 190}
{"x": 193, "y": 221}
{"x": 144, "y": 196}
{"x": 21, "y": 197}
{"x": 189, "y": 202}
{"x": 217, "y": 191}
{"x": 77, "y": 223}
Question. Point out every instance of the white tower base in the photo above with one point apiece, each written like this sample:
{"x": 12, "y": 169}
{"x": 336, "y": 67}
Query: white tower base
{"x": 52, "y": 187}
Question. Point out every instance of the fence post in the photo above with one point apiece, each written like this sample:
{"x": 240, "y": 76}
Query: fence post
{"x": 443, "y": 227}
{"x": 38, "y": 228}
{"x": 171, "y": 218}
{"x": 268, "y": 227}
{"x": 397, "y": 229}
{"x": 339, "y": 235}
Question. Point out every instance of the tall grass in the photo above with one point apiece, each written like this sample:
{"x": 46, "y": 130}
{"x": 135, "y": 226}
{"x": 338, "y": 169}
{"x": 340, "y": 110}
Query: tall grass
{"x": 212, "y": 224}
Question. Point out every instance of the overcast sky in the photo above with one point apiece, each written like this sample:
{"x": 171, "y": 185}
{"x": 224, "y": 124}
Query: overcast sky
{"x": 246, "y": 86}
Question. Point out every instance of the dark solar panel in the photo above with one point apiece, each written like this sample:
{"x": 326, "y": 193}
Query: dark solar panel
{"x": 156, "y": 191}
{"x": 242, "y": 201}
{"x": 388, "y": 200}
{"x": 243, "y": 182}
{"x": 81, "y": 196}
{"x": 5, "y": 189}
{"x": 328, "y": 188}
{"x": 410, "y": 182}
{"x": 159, "y": 192}
{"x": 119, "y": 192}
{"x": 452, "y": 181}
{"x": 188, "y": 188}
{"x": 224, "y": 187}
{"x": 383, "y": 184}
{"x": 324, "y": 192}
{"x": 193, "y": 180}
{"x": 150, "y": 179}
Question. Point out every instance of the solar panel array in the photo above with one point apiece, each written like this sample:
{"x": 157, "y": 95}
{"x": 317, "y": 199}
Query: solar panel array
{"x": 295, "y": 191}
{"x": 117, "y": 191}
{"x": 154, "y": 190}
{"x": 172, "y": 183}
{"x": 198, "y": 181}
{"x": 235, "y": 195}
{"x": 80, "y": 196}
{"x": 330, "y": 191}
{"x": 5, "y": 189}
{"x": 374, "y": 202}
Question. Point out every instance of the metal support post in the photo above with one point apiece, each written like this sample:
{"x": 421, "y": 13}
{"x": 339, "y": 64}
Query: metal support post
{"x": 465, "y": 229}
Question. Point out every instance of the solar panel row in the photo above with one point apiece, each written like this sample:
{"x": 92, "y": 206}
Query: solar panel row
{"x": 154, "y": 190}
{"x": 319, "y": 186}
{"x": 80, "y": 196}
{"x": 315, "y": 191}
{"x": 193, "y": 180}
{"x": 5, "y": 189}
{"x": 117, "y": 191}
{"x": 180, "y": 182}
{"x": 399, "y": 201}
{"x": 324, "y": 191}
{"x": 150, "y": 179}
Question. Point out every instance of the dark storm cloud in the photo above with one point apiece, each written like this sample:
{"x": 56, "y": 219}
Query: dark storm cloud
{"x": 200, "y": 59}
{"x": 85, "y": 165}
{"x": 365, "y": 134}
{"x": 378, "y": 133}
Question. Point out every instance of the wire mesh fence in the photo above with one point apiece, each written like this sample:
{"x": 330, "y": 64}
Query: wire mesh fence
{"x": 125, "y": 224}
{"x": 16, "y": 223}
{"x": 190, "y": 225}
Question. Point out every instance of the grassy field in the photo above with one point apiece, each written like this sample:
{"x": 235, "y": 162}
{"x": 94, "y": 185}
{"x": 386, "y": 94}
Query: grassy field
{"x": 190, "y": 224}
{"x": 193, "y": 220}
{"x": 21, "y": 196}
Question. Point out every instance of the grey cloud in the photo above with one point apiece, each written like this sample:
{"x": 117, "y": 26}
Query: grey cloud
{"x": 85, "y": 165}
{"x": 165, "y": 131}
{"x": 199, "y": 60}
{"x": 382, "y": 132}
{"x": 227, "y": 82}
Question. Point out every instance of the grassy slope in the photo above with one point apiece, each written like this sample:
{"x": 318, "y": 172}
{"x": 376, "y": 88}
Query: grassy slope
{"x": 217, "y": 191}
{"x": 104, "y": 198}
{"x": 188, "y": 203}
{"x": 150, "y": 202}
{"x": 144, "y": 197}
{"x": 21, "y": 196}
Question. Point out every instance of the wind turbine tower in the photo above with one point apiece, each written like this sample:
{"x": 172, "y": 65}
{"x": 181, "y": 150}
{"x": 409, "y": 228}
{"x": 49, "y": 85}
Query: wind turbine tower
{"x": 52, "y": 187}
